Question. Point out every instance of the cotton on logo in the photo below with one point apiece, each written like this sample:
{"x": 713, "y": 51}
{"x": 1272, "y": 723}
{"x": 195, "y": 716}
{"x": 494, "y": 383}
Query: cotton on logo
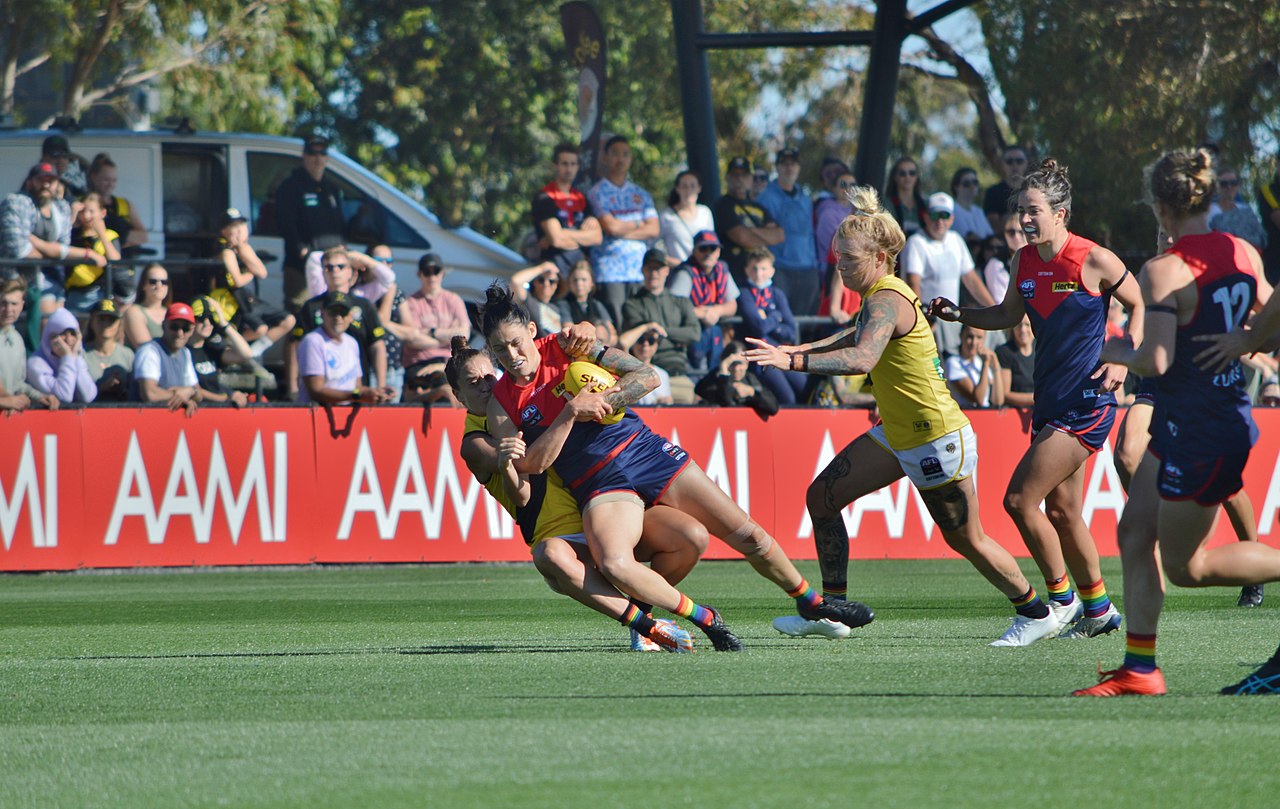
{"x": 26, "y": 489}
{"x": 182, "y": 496}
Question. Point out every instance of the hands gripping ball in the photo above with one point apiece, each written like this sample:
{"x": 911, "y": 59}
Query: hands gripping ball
{"x": 588, "y": 376}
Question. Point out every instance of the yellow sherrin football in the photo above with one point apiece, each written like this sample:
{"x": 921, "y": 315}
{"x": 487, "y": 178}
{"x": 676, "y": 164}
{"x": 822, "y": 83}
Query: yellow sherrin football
{"x": 588, "y": 376}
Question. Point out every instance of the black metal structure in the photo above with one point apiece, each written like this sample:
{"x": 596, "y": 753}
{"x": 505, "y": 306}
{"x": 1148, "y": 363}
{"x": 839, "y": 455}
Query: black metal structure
{"x": 892, "y": 26}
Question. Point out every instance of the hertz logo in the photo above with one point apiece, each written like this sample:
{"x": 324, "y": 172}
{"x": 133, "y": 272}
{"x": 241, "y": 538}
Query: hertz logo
{"x": 1065, "y": 286}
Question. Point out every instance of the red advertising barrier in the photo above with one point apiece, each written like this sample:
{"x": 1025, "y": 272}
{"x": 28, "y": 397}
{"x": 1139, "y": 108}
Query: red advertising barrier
{"x": 144, "y": 487}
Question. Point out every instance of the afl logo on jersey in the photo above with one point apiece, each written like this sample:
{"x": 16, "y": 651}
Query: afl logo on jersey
{"x": 673, "y": 451}
{"x": 530, "y": 416}
{"x": 1027, "y": 288}
{"x": 931, "y": 467}
{"x": 1065, "y": 286}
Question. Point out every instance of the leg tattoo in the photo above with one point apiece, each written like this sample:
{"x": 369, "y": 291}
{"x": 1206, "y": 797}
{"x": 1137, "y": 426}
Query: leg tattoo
{"x": 949, "y": 507}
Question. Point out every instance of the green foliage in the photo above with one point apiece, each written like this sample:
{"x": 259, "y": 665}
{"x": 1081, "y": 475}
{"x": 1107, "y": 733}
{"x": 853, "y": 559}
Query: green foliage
{"x": 1105, "y": 86}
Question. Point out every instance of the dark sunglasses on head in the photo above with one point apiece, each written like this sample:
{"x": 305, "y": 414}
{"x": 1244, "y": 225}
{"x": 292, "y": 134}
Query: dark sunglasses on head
{"x": 647, "y": 340}
{"x": 328, "y": 267}
{"x": 383, "y": 259}
{"x": 707, "y": 248}
{"x": 938, "y": 216}
{"x": 316, "y": 152}
{"x": 907, "y": 172}
{"x": 545, "y": 279}
{"x": 158, "y": 282}
{"x": 968, "y": 183}
{"x": 432, "y": 270}
{"x": 847, "y": 185}
{"x": 180, "y": 325}
{"x": 1014, "y": 161}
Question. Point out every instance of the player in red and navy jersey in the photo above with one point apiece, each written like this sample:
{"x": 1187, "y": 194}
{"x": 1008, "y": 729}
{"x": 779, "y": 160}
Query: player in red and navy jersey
{"x": 616, "y": 470}
{"x": 562, "y": 215}
{"x": 1202, "y": 429}
{"x": 1064, "y": 283}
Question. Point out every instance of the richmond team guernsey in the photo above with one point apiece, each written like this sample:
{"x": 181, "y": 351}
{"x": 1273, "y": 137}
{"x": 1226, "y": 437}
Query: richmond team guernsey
{"x": 1070, "y": 324}
{"x": 908, "y": 383}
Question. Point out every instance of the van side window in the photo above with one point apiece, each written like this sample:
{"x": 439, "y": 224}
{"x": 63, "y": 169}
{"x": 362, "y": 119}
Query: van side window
{"x": 368, "y": 220}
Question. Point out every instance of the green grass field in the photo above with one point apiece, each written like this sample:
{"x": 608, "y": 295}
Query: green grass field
{"x": 461, "y": 686}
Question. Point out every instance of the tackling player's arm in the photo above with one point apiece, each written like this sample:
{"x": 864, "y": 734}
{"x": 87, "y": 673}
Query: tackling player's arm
{"x": 482, "y": 455}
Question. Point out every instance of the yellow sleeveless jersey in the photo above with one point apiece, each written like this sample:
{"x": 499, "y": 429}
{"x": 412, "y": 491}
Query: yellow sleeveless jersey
{"x": 908, "y": 382}
{"x": 551, "y": 510}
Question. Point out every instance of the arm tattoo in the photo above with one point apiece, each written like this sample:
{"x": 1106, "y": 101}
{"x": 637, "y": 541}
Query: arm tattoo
{"x": 876, "y": 324}
{"x": 635, "y": 378}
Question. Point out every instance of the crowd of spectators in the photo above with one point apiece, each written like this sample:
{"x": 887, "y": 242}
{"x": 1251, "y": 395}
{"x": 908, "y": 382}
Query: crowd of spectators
{"x": 678, "y": 288}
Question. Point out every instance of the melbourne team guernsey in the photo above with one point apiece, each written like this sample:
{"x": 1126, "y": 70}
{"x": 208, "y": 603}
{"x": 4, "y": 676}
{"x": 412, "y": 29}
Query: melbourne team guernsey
{"x": 1201, "y": 409}
{"x": 551, "y": 510}
{"x": 534, "y": 406}
{"x": 908, "y": 383}
{"x": 1070, "y": 324}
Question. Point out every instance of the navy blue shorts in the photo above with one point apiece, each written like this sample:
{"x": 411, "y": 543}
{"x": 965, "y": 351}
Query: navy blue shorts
{"x": 646, "y": 464}
{"x": 1207, "y": 479}
{"x": 1090, "y": 427}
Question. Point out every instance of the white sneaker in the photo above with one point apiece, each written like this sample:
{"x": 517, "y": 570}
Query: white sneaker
{"x": 1104, "y": 624}
{"x": 1067, "y": 614}
{"x": 798, "y": 627}
{"x": 1026, "y": 631}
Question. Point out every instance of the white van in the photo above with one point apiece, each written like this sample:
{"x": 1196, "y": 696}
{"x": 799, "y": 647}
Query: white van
{"x": 180, "y": 185}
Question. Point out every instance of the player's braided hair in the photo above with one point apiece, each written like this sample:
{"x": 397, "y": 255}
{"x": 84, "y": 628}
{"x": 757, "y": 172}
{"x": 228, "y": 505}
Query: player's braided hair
{"x": 500, "y": 307}
{"x": 1183, "y": 181}
{"x": 460, "y": 355}
{"x": 870, "y": 222}
{"x": 1050, "y": 179}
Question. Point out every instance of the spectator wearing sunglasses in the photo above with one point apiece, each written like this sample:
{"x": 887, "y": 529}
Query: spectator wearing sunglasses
{"x": 144, "y": 320}
{"x": 970, "y": 220}
{"x": 536, "y": 288}
{"x": 903, "y": 197}
{"x": 1013, "y": 160}
{"x": 1234, "y": 218}
{"x": 936, "y": 262}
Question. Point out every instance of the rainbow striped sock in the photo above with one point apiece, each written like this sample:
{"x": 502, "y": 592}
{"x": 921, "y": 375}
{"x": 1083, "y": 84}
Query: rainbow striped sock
{"x": 1060, "y": 589}
{"x": 637, "y": 619}
{"x": 1029, "y": 605}
{"x": 804, "y": 595}
{"x": 833, "y": 592}
{"x": 687, "y": 609}
{"x": 1139, "y": 652}
{"x": 1095, "y": 599}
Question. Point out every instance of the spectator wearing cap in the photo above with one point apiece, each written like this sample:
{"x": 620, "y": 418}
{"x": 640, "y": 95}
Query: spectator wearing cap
{"x": 109, "y": 360}
{"x": 741, "y": 223}
{"x": 35, "y": 223}
{"x": 15, "y": 393}
{"x": 85, "y": 282}
{"x": 644, "y": 349}
{"x": 563, "y": 218}
{"x": 259, "y": 323}
{"x": 58, "y": 366}
{"x": 163, "y": 370}
{"x": 329, "y": 357}
{"x": 795, "y": 257}
{"x": 629, "y": 220}
{"x": 936, "y": 262}
{"x": 704, "y": 279}
{"x": 70, "y": 168}
{"x": 215, "y": 345}
{"x": 653, "y": 310}
{"x": 833, "y": 168}
{"x": 365, "y": 326}
{"x": 436, "y": 314}
{"x": 683, "y": 217}
{"x": 309, "y": 214}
